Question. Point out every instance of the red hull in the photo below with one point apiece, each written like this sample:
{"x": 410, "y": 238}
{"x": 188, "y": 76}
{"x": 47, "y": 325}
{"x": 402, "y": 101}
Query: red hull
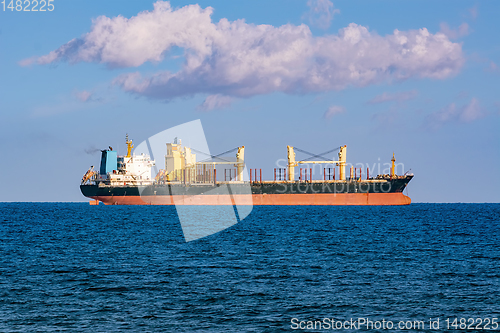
{"x": 324, "y": 199}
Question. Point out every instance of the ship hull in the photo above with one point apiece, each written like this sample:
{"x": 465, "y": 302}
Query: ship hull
{"x": 270, "y": 193}
{"x": 323, "y": 199}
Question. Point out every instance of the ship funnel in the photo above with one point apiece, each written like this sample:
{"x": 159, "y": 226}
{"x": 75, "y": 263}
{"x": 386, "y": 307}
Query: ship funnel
{"x": 109, "y": 161}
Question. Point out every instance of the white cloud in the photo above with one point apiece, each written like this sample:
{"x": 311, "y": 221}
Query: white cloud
{"x": 83, "y": 96}
{"x": 333, "y": 110}
{"x": 215, "y": 102}
{"x": 493, "y": 67}
{"x": 320, "y": 13}
{"x": 234, "y": 58}
{"x": 389, "y": 97}
{"x": 461, "y": 31}
{"x": 123, "y": 42}
{"x": 473, "y": 12}
{"x": 470, "y": 112}
{"x": 451, "y": 113}
{"x": 27, "y": 62}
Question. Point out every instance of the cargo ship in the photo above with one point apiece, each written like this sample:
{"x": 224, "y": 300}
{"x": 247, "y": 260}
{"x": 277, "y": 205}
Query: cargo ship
{"x": 133, "y": 179}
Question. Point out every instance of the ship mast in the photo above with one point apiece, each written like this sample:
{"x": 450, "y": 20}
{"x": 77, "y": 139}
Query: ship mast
{"x": 393, "y": 166}
{"x": 129, "y": 145}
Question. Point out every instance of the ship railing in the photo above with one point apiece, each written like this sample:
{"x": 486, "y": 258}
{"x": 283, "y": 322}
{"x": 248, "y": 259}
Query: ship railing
{"x": 203, "y": 173}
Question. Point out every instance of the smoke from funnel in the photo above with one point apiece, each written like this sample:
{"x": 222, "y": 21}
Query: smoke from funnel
{"x": 92, "y": 150}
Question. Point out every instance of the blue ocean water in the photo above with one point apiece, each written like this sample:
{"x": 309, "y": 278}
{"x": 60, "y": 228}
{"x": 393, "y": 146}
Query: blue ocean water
{"x": 74, "y": 267}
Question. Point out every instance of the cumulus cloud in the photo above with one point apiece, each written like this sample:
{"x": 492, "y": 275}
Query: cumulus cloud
{"x": 320, "y": 13}
{"x": 234, "y": 58}
{"x": 333, "y": 110}
{"x": 215, "y": 102}
{"x": 451, "y": 113}
{"x": 461, "y": 31}
{"x": 82, "y": 96}
{"x": 390, "y": 97}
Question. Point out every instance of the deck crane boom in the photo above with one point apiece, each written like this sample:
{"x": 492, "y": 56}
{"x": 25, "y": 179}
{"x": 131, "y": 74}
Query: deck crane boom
{"x": 292, "y": 163}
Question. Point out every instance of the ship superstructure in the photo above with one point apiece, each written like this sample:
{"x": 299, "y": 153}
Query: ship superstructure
{"x": 128, "y": 170}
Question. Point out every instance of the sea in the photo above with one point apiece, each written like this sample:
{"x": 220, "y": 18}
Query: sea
{"x": 72, "y": 267}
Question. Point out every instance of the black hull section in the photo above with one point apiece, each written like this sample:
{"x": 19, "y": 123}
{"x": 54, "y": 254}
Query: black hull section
{"x": 390, "y": 186}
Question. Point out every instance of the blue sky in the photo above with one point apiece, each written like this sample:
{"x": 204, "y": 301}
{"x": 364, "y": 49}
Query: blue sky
{"x": 418, "y": 78}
